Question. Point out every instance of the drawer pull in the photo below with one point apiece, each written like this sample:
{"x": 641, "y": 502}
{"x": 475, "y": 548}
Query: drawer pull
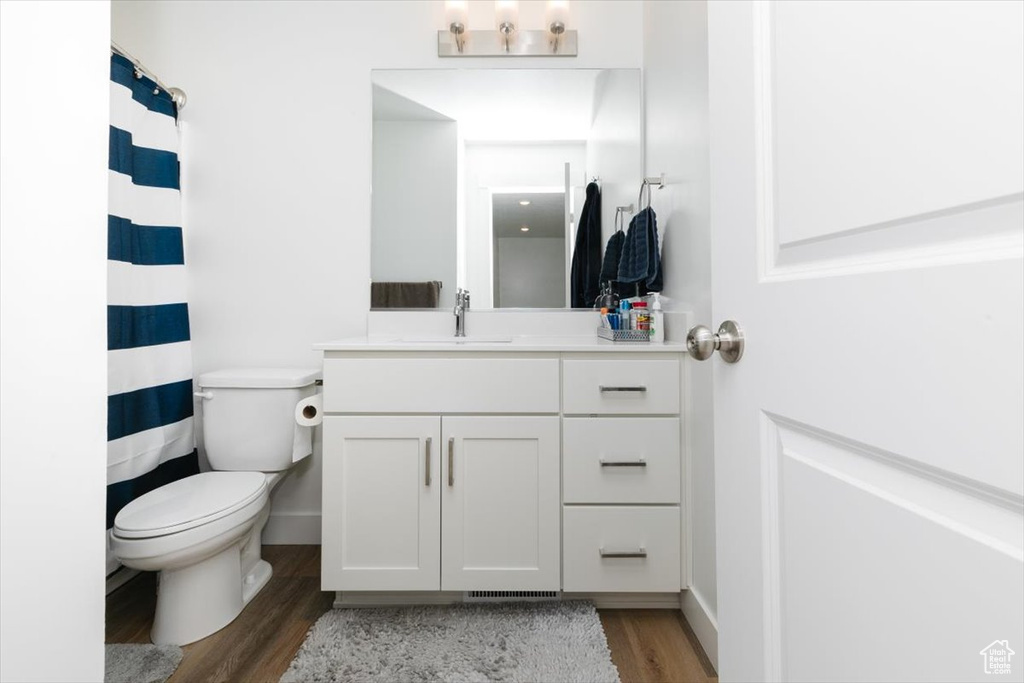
{"x": 451, "y": 461}
{"x": 623, "y": 463}
{"x": 640, "y": 389}
{"x": 426, "y": 477}
{"x": 639, "y": 552}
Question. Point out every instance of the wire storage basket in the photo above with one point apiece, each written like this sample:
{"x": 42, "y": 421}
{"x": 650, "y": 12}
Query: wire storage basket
{"x": 624, "y": 336}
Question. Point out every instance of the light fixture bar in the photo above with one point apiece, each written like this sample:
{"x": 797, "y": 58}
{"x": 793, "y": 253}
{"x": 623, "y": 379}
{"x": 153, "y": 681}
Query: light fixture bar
{"x": 492, "y": 44}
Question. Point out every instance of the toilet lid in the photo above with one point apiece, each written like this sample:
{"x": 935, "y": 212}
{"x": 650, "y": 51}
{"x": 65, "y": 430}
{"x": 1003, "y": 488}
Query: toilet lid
{"x": 188, "y": 502}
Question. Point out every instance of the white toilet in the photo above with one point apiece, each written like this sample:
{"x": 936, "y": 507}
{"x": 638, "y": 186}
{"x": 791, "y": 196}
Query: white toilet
{"x": 203, "y": 533}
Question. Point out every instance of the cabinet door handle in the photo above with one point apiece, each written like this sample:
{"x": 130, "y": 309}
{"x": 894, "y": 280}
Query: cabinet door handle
{"x": 426, "y": 477}
{"x": 639, "y": 389}
{"x": 640, "y": 552}
{"x": 623, "y": 463}
{"x": 451, "y": 461}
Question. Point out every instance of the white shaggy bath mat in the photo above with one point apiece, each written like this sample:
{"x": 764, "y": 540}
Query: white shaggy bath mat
{"x": 514, "y": 643}
{"x": 137, "y": 663}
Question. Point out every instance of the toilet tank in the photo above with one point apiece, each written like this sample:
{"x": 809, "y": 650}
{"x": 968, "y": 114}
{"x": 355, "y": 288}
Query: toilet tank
{"x": 249, "y": 416}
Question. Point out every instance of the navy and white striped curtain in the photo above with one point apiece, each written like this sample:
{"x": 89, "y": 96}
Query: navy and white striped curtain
{"x": 150, "y": 436}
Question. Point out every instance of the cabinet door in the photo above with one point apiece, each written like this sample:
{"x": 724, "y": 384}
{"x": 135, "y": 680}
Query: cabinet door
{"x": 501, "y": 524}
{"x": 381, "y": 503}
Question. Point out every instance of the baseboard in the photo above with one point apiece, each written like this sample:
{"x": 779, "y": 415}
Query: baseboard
{"x": 703, "y": 623}
{"x": 292, "y": 528}
{"x": 119, "y": 578}
{"x": 600, "y": 600}
{"x": 628, "y": 600}
{"x": 395, "y": 598}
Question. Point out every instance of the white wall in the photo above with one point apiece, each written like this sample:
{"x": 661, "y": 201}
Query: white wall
{"x": 676, "y": 98}
{"x": 530, "y": 271}
{"x": 54, "y": 118}
{"x": 414, "y": 185}
{"x": 276, "y": 163}
{"x": 613, "y": 146}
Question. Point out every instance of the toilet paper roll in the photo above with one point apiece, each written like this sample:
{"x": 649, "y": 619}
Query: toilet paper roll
{"x": 307, "y": 415}
{"x": 309, "y": 411}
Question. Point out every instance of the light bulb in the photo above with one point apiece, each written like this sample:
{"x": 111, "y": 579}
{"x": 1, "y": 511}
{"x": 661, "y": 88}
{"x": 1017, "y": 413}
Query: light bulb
{"x": 456, "y": 15}
{"x": 506, "y": 15}
{"x": 557, "y": 16}
{"x": 456, "y": 12}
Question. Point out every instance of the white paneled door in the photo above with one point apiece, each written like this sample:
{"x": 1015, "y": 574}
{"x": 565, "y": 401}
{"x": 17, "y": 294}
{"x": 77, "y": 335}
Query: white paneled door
{"x": 382, "y": 517}
{"x": 501, "y": 503}
{"x": 867, "y": 166}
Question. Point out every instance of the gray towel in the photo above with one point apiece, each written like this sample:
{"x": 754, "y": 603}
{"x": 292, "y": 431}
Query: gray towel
{"x": 640, "y": 260}
{"x": 405, "y": 294}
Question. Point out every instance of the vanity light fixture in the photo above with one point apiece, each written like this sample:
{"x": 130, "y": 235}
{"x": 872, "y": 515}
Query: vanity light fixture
{"x": 525, "y": 228}
{"x": 456, "y": 15}
{"x": 508, "y": 39}
{"x": 524, "y": 202}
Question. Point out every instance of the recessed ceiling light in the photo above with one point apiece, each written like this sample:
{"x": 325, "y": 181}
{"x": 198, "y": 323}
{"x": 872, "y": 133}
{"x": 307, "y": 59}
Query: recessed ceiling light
{"x": 525, "y": 228}
{"x": 524, "y": 202}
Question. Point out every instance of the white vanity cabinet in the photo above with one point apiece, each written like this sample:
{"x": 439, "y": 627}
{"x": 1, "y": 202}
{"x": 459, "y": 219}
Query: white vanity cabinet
{"x": 481, "y": 470}
{"x": 441, "y": 472}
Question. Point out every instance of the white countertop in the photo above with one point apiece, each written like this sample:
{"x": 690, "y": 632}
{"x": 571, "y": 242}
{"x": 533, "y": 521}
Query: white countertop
{"x": 515, "y": 343}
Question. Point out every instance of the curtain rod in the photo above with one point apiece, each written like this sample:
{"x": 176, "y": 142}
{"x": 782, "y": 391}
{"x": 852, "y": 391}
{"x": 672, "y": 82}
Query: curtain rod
{"x": 177, "y": 94}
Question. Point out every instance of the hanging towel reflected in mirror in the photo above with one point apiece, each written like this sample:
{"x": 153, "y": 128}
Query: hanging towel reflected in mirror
{"x": 586, "y": 255}
{"x": 641, "y": 261}
{"x": 612, "y": 255}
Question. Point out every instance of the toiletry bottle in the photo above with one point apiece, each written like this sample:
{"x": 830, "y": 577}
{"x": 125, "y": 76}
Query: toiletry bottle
{"x": 643, "y": 317}
{"x": 604, "y": 318}
{"x": 624, "y": 317}
{"x": 657, "y": 320}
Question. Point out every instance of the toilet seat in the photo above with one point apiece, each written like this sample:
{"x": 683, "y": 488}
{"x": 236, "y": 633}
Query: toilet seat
{"x": 187, "y": 503}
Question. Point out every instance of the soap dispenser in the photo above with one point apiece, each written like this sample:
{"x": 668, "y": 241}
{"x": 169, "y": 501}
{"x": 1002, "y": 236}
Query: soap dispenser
{"x": 657, "y": 319}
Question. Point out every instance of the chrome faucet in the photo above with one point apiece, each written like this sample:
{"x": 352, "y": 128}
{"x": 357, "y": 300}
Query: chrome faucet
{"x": 461, "y": 306}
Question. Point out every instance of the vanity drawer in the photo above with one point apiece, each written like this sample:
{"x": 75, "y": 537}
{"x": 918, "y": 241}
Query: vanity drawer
{"x": 646, "y": 538}
{"x": 441, "y": 385}
{"x": 620, "y": 460}
{"x": 620, "y": 387}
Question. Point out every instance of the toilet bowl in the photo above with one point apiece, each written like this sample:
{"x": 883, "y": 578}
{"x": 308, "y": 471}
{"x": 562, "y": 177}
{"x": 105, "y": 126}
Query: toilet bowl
{"x": 203, "y": 533}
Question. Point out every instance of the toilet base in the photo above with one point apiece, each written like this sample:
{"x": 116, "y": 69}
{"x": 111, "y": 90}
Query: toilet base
{"x": 197, "y": 600}
{"x": 200, "y": 599}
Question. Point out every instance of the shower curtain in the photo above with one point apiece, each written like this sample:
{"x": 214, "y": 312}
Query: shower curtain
{"x": 150, "y": 437}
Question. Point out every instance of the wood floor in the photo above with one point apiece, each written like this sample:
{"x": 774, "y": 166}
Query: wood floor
{"x": 647, "y": 645}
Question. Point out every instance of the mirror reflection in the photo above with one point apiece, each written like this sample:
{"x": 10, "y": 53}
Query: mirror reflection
{"x": 480, "y": 177}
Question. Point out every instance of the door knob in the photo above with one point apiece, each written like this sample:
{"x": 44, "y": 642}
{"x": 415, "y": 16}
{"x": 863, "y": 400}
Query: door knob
{"x": 702, "y": 342}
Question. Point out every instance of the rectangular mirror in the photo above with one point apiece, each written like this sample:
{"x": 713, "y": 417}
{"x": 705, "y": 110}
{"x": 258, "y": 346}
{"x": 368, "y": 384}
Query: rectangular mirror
{"x": 479, "y": 175}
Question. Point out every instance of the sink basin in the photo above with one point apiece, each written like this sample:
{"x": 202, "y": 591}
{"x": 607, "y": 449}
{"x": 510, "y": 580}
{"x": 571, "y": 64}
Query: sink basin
{"x": 456, "y": 340}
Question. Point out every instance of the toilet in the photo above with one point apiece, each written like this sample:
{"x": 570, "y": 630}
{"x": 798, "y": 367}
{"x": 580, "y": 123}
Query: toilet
{"x": 203, "y": 533}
